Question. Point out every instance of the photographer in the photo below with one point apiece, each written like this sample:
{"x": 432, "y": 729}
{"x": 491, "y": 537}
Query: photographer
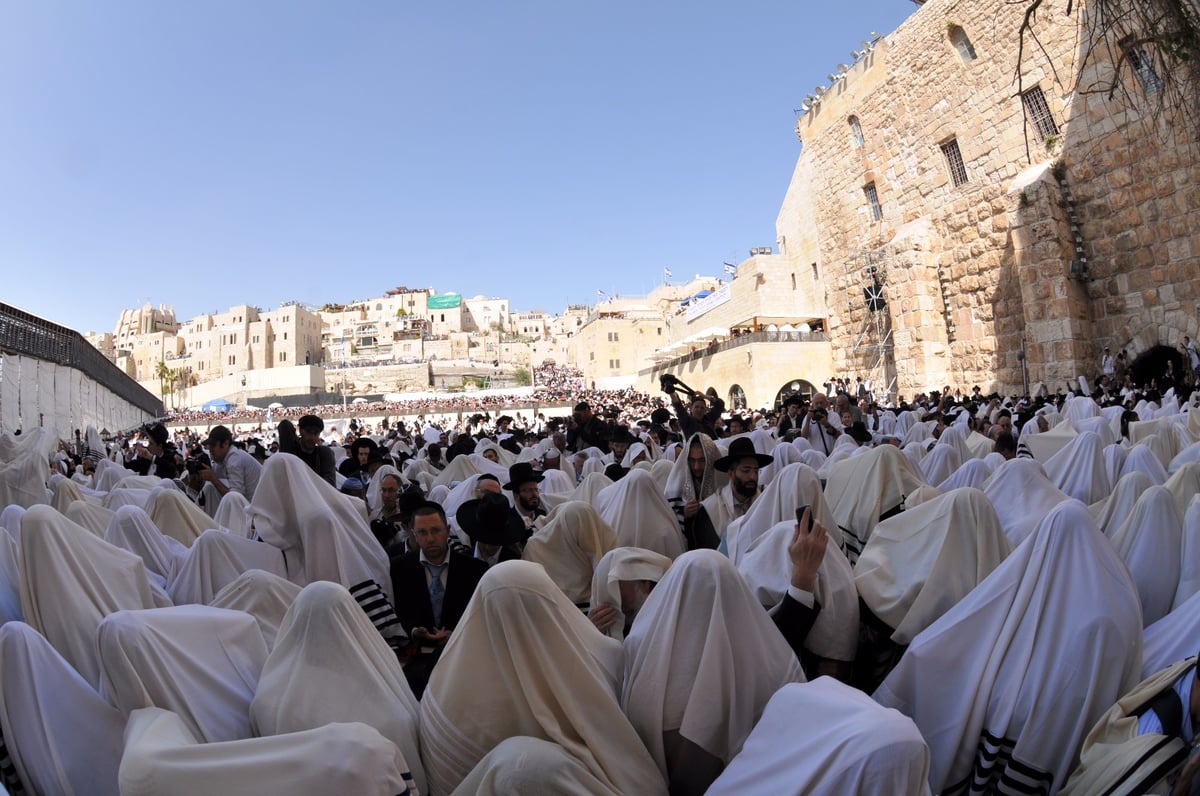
{"x": 155, "y": 455}
{"x": 817, "y": 428}
{"x": 586, "y": 430}
{"x": 697, "y": 417}
{"x": 233, "y": 469}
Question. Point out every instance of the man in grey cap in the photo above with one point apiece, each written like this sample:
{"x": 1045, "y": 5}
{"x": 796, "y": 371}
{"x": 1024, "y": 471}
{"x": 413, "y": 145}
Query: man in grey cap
{"x": 233, "y": 470}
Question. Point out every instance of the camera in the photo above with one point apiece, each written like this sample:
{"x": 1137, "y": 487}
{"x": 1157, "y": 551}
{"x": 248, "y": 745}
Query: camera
{"x": 197, "y": 463}
{"x": 668, "y": 382}
{"x": 819, "y": 414}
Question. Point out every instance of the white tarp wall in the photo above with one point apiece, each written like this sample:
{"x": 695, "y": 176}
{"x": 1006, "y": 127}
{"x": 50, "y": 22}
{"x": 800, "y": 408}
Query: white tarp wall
{"x": 36, "y": 393}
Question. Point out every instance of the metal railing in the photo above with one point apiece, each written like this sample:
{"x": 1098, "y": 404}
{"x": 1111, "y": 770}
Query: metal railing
{"x": 29, "y": 335}
{"x": 761, "y": 336}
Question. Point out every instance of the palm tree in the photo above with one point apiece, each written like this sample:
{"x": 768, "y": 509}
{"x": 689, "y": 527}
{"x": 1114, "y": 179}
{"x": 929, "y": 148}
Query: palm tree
{"x": 163, "y": 374}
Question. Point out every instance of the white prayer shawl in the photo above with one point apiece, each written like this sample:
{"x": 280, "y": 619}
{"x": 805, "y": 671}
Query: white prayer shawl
{"x": 62, "y": 737}
{"x": 973, "y": 473}
{"x": 1101, "y": 427}
{"x": 523, "y": 765}
{"x": 67, "y": 492}
{"x": 1149, "y": 542}
{"x": 1142, "y": 459}
{"x": 330, "y": 665}
{"x": 680, "y": 487}
{"x": 23, "y": 467}
{"x": 438, "y": 494}
{"x": 624, "y": 563}
{"x": 126, "y": 497}
{"x": 202, "y": 663}
{"x": 163, "y": 758}
{"x": 915, "y": 452}
{"x": 550, "y": 675}
{"x": 1078, "y": 469}
{"x": 1114, "y": 460}
{"x": 995, "y": 460}
{"x": 233, "y": 514}
{"x": 139, "y": 482}
{"x": 460, "y": 493}
{"x": 72, "y": 579}
{"x": 689, "y": 654}
{"x": 987, "y": 684}
{"x": 922, "y": 494}
{"x": 1184, "y": 484}
{"x": 979, "y": 445}
{"x": 1189, "y": 454}
{"x": 767, "y": 569}
{"x": 217, "y": 559}
{"x": 921, "y": 562}
{"x": 940, "y": 463}
{"x": 178, "y": 517}
{"x": 108, "y": 474}
{"x": 10, "y": 580}
{"x": 91, "y": 516}
{"x": 795, "y": 485}
{"x": 591, "y": 485}
{"x": 1112, "y": 512}
{"x": 851, "y": 746}
{"x": 784, "y": 455}
{"x": 860, "y": 489}
{"x": 1189, "y": 558}
{"x": 956, "y": 437}
{"x": 1174, "y": 637}
{"x": 131, "y": 529}
{"x": 10, "y": 521}
{"x": 569, "y": 546}
{"x": 814, "y": 459}
{"x": 1022, "y": 496}
{"x": 919, "y": 432}
{"x": 640, "y": 515}
{"x": 323, "y": 536}
{"x": 660, "y": 471}
{"x": 468, "y": 465}
{"x": 556, "y": 482}
{"x": 1045, "y": 445}
{"x": 1079, "y": 408}
{"x": 264, "y": 596}
{"x": 839, "y": 455}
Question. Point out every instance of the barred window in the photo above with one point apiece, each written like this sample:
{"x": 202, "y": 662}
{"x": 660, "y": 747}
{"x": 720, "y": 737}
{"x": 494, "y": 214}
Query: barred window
{"x": 954, "y": 161}
{"x": 1038, "y": 112}
{"x": 1142, "y": 65}
{"x": 873, "y": 201}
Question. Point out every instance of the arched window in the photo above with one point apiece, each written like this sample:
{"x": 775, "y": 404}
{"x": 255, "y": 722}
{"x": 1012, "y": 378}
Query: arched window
{"x": 962, "y": 43}
{"x": 856, "y": 132}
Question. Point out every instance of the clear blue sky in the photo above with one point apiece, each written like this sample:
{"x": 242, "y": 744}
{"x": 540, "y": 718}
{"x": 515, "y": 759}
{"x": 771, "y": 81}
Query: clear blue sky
{"x": 205, "y": 154}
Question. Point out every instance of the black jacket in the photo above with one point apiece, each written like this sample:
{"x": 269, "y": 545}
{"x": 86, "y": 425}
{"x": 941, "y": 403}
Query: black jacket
{"x": 412, "y": 593}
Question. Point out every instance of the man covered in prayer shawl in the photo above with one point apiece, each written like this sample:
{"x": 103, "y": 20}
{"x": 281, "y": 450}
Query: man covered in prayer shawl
{"x": 1142, "y": 742}
{"x": 693, "y": 479}
{"x": 1005, "y": 684}
{"x": 734, "y": 498}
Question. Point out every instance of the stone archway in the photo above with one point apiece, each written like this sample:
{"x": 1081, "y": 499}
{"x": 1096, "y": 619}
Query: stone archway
{"x": 737, "y": 397}
{"x": 1151, "y": 364}
{"x": 801, "y": 386}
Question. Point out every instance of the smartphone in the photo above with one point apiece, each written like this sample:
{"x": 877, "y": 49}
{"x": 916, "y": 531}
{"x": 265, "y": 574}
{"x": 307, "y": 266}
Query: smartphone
{"x": 800, "y": 518}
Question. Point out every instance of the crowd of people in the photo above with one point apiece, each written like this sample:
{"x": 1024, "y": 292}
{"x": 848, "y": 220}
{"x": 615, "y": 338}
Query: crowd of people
{"x": 959, "y": 592}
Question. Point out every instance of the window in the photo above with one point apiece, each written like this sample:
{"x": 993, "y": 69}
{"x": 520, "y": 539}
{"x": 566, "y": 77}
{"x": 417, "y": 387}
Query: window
{"x": 954, "y": 161}
{"x": 283, "y": 356}
{"x": 1142, "y": 65}
{"x": 591, "y": 356}
{"x": 1038, "y": 112}
{"x": 856, "y": 133}
{"x": 962, "y": 43}
{"x": 873, "y": 201}
{"x": 614, "y": 363}
{"x": 285, "y": 335}
{"x": 233, "y": 360}
{"x": 614, "y": 337}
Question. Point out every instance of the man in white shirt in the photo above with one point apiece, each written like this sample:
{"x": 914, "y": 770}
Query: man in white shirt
{"x": 233, "y": 469}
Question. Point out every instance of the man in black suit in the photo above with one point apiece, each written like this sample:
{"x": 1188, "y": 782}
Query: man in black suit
{"x": 433, "y": 586}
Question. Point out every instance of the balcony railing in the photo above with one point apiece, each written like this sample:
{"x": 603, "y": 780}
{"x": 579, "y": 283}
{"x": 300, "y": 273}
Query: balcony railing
{"x": 718, "y": 346}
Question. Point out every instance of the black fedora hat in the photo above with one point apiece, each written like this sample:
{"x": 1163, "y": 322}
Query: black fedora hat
{"x": 491, "y": 520}
{"x": 741, "y": 448}
{"x": 521, "y": 473}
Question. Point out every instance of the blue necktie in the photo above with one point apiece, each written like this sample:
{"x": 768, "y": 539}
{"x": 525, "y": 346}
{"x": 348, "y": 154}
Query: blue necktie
{"x": 436, "y": 591}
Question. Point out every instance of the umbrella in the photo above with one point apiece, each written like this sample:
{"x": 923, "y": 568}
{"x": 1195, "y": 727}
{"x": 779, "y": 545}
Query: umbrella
{"x": 275, "y": 405}
{"x": 218, "y": 405}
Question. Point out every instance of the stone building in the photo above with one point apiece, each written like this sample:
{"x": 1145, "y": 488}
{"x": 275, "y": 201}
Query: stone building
{"x": 969, "y": 216}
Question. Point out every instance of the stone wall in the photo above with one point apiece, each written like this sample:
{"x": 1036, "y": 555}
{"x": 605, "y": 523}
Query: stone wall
{"x": 975, "y": 273}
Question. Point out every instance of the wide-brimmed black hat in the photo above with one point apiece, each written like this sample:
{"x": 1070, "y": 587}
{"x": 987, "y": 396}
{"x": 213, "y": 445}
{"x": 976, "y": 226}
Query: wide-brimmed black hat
{"x": 522, "y": 473}
{"x": 741, "y": 448}
{"x": 491, "y": 520}
{"x": 858, "y": 432}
